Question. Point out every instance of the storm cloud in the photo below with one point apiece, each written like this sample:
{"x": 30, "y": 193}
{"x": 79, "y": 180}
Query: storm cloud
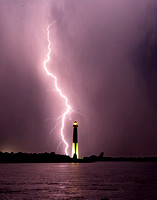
{"x": 104, "y": 56}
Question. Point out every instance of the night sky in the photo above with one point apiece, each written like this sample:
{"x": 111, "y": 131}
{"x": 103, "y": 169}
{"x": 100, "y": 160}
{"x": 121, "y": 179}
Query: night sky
{"x": 104, "y": 54}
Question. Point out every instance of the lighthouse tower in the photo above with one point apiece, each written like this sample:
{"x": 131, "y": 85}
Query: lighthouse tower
{"x": 75, "y": 141}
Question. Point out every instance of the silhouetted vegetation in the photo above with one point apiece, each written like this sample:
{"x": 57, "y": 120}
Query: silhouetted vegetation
{"x": 56, "y": 158}
{"x": 33, "y": 157}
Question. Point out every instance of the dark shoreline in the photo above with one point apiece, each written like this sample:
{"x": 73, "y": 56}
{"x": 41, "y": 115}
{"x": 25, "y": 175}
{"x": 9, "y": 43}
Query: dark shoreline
{"x": 57, "y": 158}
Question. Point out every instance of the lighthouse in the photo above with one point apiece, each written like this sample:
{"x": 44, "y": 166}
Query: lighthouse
{"x": 75, "y": 141}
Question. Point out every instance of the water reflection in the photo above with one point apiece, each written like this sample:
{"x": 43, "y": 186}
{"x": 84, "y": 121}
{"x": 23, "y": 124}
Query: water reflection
{"x": 110, "y": 180}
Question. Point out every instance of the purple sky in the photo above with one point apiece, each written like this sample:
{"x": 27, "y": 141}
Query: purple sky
{"x": 105, "y": 58}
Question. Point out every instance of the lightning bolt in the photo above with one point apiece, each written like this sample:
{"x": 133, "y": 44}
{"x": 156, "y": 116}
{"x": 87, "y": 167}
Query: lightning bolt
{"x": 68, "y": 107}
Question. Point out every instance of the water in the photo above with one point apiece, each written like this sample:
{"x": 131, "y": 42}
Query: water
{"x": 106, "y": 180}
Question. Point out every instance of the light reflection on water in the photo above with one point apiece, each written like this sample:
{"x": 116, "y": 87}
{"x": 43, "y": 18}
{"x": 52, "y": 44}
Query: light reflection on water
{"x": 106, "y": 180}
